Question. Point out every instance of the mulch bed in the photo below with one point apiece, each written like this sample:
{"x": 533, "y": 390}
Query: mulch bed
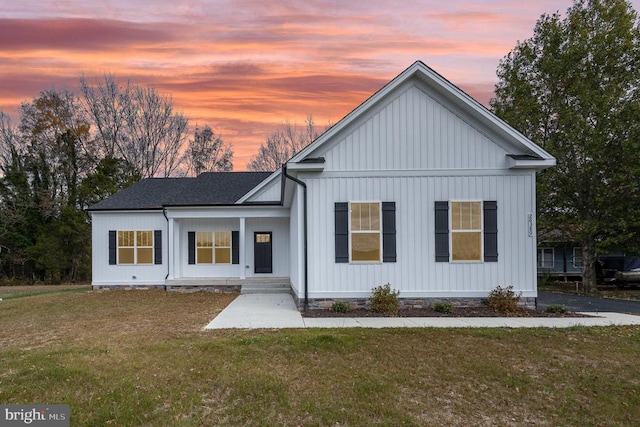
{"x": 429, "y": 312}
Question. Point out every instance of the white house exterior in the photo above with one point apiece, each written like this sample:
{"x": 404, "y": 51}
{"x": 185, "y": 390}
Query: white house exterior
{"x": 420, "y": 187}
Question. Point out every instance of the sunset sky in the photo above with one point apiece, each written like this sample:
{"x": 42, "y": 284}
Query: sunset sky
{"x": 246, "y": 66}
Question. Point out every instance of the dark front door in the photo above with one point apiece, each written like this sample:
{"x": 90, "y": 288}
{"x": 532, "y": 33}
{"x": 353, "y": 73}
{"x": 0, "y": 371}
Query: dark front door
{"x": 262, "y": 259}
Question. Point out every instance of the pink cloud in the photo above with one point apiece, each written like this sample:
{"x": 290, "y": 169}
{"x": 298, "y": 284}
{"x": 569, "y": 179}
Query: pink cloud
{"x": 76, "y": 34}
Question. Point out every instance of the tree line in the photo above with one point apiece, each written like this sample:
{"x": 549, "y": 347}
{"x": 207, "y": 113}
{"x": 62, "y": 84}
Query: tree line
{"x": 70, "y": 151}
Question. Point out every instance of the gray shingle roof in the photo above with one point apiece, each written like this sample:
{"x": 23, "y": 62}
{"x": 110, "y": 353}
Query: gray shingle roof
{"x": 210, "y": 188}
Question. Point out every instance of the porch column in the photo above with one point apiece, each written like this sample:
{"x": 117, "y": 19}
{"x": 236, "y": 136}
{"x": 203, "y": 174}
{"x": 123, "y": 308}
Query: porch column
{"x": 243, "y": 263}
{"x": 171, "y": 256}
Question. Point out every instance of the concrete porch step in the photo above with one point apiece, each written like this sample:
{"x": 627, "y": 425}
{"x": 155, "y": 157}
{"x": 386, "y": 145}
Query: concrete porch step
{"x": 266, "y": 288}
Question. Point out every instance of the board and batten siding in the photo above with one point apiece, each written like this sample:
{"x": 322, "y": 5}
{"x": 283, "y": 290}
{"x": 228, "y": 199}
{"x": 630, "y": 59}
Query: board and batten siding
{"x": 416, "y": 274}
{"x": 414, "y": 131}
{"x": 270, "y": 193}
{"x": 102, "y": 273}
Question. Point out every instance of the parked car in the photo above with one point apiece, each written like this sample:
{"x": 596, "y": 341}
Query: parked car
{"x": 628, "y": 279}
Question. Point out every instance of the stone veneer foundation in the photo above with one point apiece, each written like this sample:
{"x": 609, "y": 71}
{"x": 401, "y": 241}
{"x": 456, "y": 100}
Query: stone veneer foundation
{"x": 405, "y": 303}
{"x": 169, "y": 288}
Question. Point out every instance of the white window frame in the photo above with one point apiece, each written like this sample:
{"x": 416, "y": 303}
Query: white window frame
{"x": 574, "y": 257}
{"x": 470, "y": 230}
{"x": 135, "y": 247}
{"x": 213, "y": 247}
{"x": 198, "y": 262}
{"x": 541, "y": 263}
{"x": 352, "y": 232}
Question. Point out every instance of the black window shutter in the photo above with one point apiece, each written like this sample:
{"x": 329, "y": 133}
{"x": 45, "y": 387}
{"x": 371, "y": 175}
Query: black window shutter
{"x": 157, "y": 246}
{"x": 490, "y": 231}
{"x": 388, "y": 231}
{"x": 342, "y": 232}
{"x": 235, "y": 247}
{"x": 113, "y": 249}
{"x": 442, "y": 231}
{"x": 191, "y": 237}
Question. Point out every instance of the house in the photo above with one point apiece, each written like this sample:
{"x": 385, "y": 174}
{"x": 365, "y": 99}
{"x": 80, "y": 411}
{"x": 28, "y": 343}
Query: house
{"x": 420, "y": 187}
{"x": 560, "y": 260}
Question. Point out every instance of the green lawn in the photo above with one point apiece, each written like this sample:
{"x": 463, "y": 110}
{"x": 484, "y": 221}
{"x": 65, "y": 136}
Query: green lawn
{"x": 141, "y": 358}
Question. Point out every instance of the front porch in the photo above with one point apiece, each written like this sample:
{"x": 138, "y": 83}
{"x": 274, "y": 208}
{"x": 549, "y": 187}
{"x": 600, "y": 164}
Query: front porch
{"x": 253, "y": 247}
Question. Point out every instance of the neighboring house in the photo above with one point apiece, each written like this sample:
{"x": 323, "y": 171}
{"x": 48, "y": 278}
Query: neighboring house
{"x": 420, "y": 187}
{"x": 560, "y": 259}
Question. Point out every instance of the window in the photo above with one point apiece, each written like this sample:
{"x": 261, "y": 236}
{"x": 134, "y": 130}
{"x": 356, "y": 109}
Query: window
{"x": 135, "y": 247}
{"x": 213, "y": 247}
{"x": 545, "y": 258}
{"x": 263, "y": 237}
{"x": 466, "y": 231}
{"x": 365, "y": 232}
{"x": 346, "y": 219}
{"x": 223, "y": 247}
{"x": 577, "y": 257}
{"x": 204, "y": 247}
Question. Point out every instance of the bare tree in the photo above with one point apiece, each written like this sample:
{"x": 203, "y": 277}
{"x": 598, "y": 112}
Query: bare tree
{"x": 8, "y": 139}
{"x": 281, "y": 145}
{"x": 137, "y": 124}
{"x": 207, "y": 152}
{"x": 105, "y": 105}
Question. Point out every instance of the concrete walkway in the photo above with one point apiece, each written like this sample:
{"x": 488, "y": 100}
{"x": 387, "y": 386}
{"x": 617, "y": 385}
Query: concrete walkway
{"x": 278, "y": 311}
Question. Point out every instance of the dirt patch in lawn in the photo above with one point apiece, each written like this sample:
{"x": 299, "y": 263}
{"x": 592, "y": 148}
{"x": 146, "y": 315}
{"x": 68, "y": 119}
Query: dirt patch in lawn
{"x": 481, "y": 311}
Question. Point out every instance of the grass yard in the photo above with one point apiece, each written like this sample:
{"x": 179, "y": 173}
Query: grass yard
{"x": 128, "y": 358}
{"x": 10, "y": 292}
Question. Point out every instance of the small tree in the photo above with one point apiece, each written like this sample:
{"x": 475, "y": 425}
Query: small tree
{"x": 281, "y": 145}
{"x": 8, "y": 139}
{"x": 207, "y": 152}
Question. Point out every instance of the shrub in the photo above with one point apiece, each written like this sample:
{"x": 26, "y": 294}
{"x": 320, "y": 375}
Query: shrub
{"x": 385, "y": 300}
{"x": 443, "y": 307}
{"x": 503, "y": 300}
{"x": 340, "y": 307}
{"x": 557, "y": 308}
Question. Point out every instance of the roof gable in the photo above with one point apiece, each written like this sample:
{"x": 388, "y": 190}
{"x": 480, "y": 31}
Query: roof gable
{"x": 413, "y": 130}
{"x": 269, "y": 190}
{"x": 447, "y": 94}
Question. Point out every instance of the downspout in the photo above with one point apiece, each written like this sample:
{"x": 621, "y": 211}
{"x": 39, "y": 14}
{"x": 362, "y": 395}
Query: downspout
{"x": 164, "y": 212}
{"x": 306, "y": 257}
